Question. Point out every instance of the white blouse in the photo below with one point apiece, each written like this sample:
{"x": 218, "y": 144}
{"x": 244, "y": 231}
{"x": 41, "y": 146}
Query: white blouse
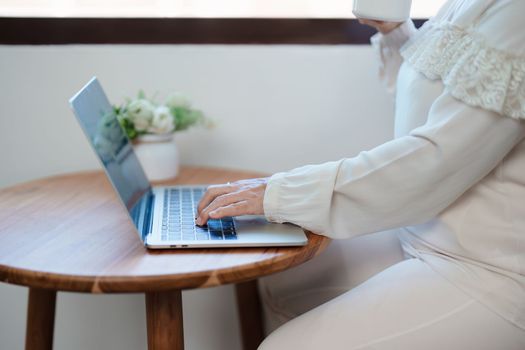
{"x": 453, "y": 179}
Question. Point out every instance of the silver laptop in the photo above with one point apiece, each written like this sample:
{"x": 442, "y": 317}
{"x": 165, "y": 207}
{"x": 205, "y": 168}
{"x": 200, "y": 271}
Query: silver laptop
{"x": 165, "y": 216}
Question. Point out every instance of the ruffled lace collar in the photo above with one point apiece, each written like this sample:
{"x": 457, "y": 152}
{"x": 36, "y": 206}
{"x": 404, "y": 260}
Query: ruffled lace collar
{"x": 472, "y": 71}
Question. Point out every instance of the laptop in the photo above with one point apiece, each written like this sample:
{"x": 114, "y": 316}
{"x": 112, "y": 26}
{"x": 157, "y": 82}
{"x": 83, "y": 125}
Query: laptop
{"x": 164, "y": 217}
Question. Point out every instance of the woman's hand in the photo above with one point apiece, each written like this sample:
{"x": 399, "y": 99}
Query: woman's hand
{"x": 243, "y": 197}
{"x": 381, "y": 26}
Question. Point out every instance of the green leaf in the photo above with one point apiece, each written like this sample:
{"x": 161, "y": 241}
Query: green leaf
{"x": 184, "y": 117}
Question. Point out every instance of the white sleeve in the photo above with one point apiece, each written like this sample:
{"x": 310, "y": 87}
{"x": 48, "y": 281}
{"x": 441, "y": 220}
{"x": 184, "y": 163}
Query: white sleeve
{"x": 405, "y": 181}
{"x": 387, "y": 47}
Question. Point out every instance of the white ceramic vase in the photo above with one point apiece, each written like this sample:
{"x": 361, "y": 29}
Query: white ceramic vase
{"x": 158, "y": 155}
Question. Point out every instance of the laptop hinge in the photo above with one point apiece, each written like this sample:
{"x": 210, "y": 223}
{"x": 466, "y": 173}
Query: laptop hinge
{"x": 148, "y": 215}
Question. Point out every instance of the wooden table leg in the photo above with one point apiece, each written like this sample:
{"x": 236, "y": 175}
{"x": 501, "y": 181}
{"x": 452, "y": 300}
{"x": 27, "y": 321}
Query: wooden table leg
{"x": 164, "y": 319}
{"x": 250, "y": 314}
{"x": 40, "y": 319}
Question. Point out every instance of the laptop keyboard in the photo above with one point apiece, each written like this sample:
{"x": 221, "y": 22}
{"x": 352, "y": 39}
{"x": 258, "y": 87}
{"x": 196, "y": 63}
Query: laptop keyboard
{"x": 178, "y": 218}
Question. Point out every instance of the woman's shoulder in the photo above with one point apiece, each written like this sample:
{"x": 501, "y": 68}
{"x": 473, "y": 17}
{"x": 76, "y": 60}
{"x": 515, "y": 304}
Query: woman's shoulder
{"x": 503, "y": 26}
{"x": 499, "y": 23}
{"x": 477, "y": 48}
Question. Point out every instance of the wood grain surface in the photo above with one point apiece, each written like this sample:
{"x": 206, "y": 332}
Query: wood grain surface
{"x": 70, "y": 233}
{"x": 164, "y": 320}
{"x": 40, "y": 319}
{"x": 250, "y": 314}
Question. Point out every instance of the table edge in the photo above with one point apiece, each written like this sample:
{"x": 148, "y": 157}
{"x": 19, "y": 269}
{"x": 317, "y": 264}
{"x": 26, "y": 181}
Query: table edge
{"x": 133, "y": 284}
{"x": 121, "y": 284}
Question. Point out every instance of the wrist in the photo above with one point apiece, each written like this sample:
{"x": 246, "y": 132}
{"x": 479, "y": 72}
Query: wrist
{"x": 399, "y": 36}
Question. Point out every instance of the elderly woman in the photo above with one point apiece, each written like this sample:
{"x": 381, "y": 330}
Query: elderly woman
{"x": 451, "y": 184}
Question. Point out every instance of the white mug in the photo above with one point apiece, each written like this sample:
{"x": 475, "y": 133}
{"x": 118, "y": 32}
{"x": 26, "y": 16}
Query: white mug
{"x": 383, "y": 10}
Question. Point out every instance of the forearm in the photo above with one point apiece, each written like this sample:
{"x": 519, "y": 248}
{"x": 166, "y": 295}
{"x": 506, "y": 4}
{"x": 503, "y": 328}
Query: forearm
{"x": 402, "y": 182}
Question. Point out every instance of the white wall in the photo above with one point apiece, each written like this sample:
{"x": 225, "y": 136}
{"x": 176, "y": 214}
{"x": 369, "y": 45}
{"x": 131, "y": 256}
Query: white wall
{"x": 276, "y": 107}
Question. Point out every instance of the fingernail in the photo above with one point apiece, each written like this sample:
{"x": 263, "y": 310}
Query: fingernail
{"x": 198, "y": 221}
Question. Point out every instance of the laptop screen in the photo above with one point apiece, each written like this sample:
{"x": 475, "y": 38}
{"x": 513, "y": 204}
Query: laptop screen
{"x": 97, "y": 118}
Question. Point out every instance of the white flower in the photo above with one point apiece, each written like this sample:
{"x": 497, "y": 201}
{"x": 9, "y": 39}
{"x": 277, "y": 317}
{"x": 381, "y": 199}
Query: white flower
{"x": 163, "y": 121}
{"x": 177, "y": 100}
{"x": 140, "y": 112}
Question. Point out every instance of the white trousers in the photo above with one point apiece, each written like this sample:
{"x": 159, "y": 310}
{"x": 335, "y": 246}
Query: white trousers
{"x": 404, "y": 306}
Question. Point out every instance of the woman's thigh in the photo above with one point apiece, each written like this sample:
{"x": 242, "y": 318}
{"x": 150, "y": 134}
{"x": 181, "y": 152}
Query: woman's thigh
{"x": 407, "y": 306}
{"x": 342, "y": 266}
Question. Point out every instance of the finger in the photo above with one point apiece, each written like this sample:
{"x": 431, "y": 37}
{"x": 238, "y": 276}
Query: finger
{"x": 211, "y": 193}
{"x": 220, "y": 201}
{"x": 367, "y": 22}
{"x": 371, "y": 23}
{"x": 235, "y": 209}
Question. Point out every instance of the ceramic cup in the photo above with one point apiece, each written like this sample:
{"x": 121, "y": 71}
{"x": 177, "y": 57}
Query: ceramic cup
{"x": 383, "y": 10}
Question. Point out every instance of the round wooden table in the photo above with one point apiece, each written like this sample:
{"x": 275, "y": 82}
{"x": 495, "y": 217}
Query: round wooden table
{"x": 69, "y": 233}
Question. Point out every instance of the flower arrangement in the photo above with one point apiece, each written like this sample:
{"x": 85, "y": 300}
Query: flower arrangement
{"x": 143, "y": 116}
